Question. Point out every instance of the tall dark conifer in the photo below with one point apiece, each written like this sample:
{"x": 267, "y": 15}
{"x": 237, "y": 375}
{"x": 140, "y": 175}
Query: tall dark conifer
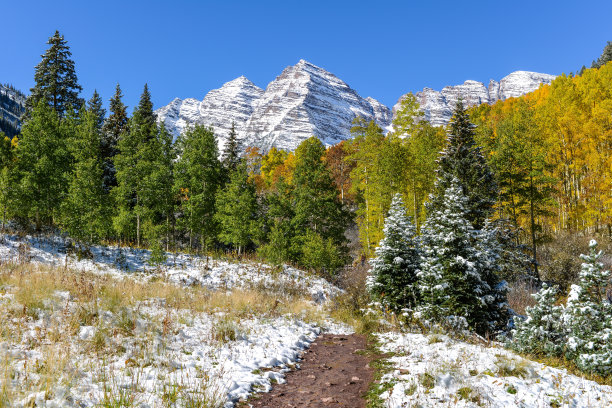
{"x": 231, "y": 152}
{"x": 115, "y": 125}
{"x": 56, "y": 80}
{"x": 464, "y": 160}
{"x": 94, "y": 105}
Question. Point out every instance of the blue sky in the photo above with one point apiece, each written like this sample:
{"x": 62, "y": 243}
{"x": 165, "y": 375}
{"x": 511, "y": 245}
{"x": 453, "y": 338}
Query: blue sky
{"x": 381, "y": 49}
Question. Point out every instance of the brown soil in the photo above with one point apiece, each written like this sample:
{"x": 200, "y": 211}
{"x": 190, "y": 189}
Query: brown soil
{"x": 332, "y": 373}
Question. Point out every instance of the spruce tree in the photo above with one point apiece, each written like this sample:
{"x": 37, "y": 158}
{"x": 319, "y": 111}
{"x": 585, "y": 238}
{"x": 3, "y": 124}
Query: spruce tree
{"x": 198, "y": 177}
{"x": 542, "y": 332}
{"x": 237, "y": 210}
{"x": 56, "y": 80}
{"x": 606, "y": 56}
{"x": 449, "y": 280}
{"x": 231, "y": 152}
{"x": 134, "y": 164}
{"x": 463, "y": 160}
{"x": 114, "y": 127}
{"x": 7, "y": 164}
{"x": 85, "y": 210}
{"x": 94, "y": 105}
{"x": 588, "y": 317}
{"x": 394, "y": 270}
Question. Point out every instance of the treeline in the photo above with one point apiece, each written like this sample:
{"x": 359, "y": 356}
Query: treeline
{"x": 551, "y": 151}
{"x": 121, "y": 178}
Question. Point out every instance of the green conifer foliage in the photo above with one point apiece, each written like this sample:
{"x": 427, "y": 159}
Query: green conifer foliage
{"x": 237, "y": 210}
{"x": 231, "y": 152}
{"x": 114, "y": 127}
{"x": 43, "y": 163}
{"x": 606, "y": 56}
{"x": 86, "y": 207}
{"x": 56, "y": 80}
{"x": 393, "y": 277}
{"x": 198, "y": 178}
{"x": 588, "y": 317}
{"x": 463, "y": 160}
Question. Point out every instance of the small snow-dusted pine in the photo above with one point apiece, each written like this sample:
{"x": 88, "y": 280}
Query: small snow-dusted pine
{"x": 449, "y": 279}
{"x": 542, "y": 332}
{"x": 394, "y": 269}
{"x": 588, "y": 317}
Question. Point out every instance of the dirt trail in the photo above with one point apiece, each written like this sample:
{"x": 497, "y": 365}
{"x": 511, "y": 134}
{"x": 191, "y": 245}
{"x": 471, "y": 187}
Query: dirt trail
{"x": 331, "y": 374}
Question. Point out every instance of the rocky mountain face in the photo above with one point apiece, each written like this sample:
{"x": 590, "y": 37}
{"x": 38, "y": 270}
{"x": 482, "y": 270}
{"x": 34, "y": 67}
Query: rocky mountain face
{"x": 12, "y": 105}
{"x": 438, "y": 105}
{"x": 304, "y": 100}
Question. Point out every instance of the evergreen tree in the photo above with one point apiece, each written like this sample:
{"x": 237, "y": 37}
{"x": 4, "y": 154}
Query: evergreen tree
{"x": 43, "y": 163}
{"x": 606, "y": 56}
{"x": 542, "y": 333}
{"x": 198, "y": 177}
{"x": 231, "y": 152}
{"x": 56, "y": 80}
{"x": 94, "y": 105}
{"x": 394, "y": 270}
{"x": 588, "y": 317}
{"x": 237, "y": 210}
{"x": 489, "y": 261}
{"x": 85, "y": 210}
{"x": 463, "y": 160}
{"x": 449, "y": 279}
{"x": 134, "y": 165}
{"x": 114, "y": 127}
{"x": 314, "y": 197}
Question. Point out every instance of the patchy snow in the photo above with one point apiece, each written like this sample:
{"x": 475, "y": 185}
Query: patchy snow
{"x": 149, "y": 354}
{"x": 180, "y": 268}
{"x": 436, "y": 371}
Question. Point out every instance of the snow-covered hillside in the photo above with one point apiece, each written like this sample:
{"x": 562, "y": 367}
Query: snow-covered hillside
{"x": 436, "y": 371}
{"x": 111, "y": 330}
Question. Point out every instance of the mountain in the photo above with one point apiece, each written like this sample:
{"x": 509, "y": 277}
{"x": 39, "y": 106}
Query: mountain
{"x": 304, "y": 100}
{"x": 12, "y": 105}
{"x": 438, "y": 105}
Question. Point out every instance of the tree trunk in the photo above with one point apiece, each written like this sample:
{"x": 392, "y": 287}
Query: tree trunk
{"x": 533, "y": 234}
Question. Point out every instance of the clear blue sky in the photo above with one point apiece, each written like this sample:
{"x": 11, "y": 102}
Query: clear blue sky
{"x": 381, "y": 49}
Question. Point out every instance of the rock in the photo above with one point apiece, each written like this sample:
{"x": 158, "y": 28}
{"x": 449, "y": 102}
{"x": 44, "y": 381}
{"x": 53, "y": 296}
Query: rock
{"x": 304, "y": 100}
{"x": 438, "y": 106}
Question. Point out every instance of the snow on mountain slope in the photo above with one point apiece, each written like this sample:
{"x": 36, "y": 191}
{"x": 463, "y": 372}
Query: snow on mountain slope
{"x": 438, "y": 105}
{"x": 303, "y": 101}
{"x": 232, "y": 103}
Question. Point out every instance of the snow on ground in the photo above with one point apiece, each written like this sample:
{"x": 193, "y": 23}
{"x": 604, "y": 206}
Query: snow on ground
{"x": 436, "y": 371}
{"x": 201, "y": 358}
{"x": 180, "y": 268}
{"x": 148, "y": 354}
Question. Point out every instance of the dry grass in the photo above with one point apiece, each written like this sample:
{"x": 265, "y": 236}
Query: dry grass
{"x": 519, "y": 296}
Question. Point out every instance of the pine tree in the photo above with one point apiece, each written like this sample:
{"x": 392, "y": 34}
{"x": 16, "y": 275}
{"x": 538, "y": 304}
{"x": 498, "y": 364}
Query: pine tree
{"x": 114, "y": 127}
{"x": 542, "y": 333}
{"x": 85, "y": 209}
{"x": 198, "y": 177}
{"x": 606, "y": 56}
{"x": 94, "y": 105}
{"x": 231, "y": 152}
{"x": 237, "y": 210}
{"x": 134, "y": 165}
{"x": 43, "y": 164}
{"x": 394, "y": 270}
{"x": 463, "y": 160}
{"x": 56, "y": 80}
{"x": 449, "y": 279}
{"x": 588, "y": 317}
{"x": 489, "y": 253}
